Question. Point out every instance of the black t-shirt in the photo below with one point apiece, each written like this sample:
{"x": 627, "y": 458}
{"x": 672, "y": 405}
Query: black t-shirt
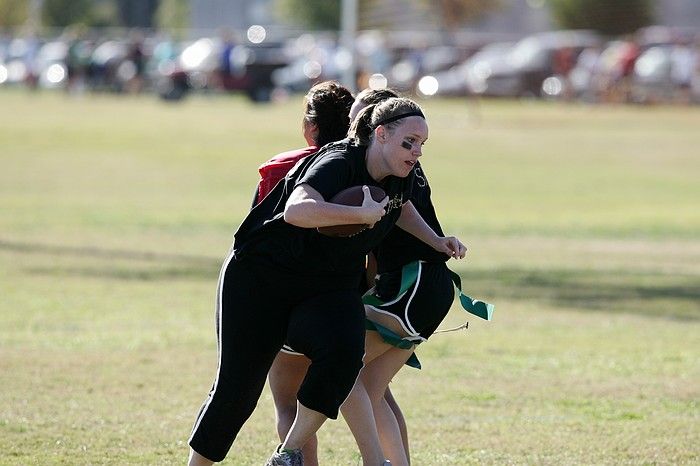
{"x": 288, "y": 249}
{"x": 399, "y": 247}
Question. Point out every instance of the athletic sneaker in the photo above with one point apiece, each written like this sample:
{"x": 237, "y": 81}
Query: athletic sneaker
{"x": 286, "y": 458}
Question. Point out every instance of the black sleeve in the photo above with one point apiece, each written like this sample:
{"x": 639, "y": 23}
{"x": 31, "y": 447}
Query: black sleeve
{"x": 408, "y": 187}
{"x": 328, "y": 175}
{"x": 255, "y": 196}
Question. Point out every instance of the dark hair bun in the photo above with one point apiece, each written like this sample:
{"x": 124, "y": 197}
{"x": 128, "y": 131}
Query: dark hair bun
{"x": 328, "y": 106}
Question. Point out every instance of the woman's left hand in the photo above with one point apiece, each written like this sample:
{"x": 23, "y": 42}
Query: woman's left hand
{"x": 451, "y": 246}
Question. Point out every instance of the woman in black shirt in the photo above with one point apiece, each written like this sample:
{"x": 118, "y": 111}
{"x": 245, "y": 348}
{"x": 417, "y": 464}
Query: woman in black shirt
{"x": 283, "y": 279}
{"x": 404, "y": 313}
{"x": 412, "y": 295}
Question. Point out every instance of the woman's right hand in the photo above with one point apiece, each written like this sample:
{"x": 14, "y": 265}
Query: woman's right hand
{"x": 450, "y": 245}
{"x": 372, "y": 211}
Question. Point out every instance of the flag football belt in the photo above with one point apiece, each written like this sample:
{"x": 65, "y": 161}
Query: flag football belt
{"x": 409, "y": 275}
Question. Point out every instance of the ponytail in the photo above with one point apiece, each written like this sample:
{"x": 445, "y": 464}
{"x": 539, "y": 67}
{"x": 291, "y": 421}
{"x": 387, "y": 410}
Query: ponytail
{"x": 361, "y": 128}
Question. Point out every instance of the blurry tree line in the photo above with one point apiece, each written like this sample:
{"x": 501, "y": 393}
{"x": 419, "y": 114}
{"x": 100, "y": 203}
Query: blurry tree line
{"x": 325, "y": 14}
{"x": 610, "y": 17}
{"x": 166, "y": 14}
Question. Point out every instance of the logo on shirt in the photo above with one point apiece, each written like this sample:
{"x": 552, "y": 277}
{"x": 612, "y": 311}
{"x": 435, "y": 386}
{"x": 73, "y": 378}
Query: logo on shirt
{"x": 395, "y": 203}
{"x": 420, "y": 178}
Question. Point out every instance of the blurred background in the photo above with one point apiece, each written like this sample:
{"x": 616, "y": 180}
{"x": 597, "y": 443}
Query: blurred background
{"x": 563, "y": 151}
{"x": 637, "y": 51}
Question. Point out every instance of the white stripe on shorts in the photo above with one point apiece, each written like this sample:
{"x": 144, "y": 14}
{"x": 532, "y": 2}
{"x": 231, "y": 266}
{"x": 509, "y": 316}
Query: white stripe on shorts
{"x": 286, "y": 349}
{"x": 408, "y": 328}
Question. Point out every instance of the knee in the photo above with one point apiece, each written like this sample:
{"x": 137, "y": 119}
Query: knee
{"x": 230, "y": 396}
{"x": 343, "y": 351}
{"x": 342, "y": 365}
{"x": 330, "y": 378}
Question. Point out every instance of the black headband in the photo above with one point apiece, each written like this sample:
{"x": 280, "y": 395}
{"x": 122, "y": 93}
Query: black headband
{"x": 400, "y": 116}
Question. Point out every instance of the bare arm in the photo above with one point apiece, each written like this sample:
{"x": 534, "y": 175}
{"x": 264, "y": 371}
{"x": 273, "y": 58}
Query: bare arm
{"x": 411, "y": 221}
{"x": 306, "y": 208}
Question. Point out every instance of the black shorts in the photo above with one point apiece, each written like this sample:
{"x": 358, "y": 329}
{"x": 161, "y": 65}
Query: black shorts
{"x": 289, "y": 350}
{"x": 424, "y": 305}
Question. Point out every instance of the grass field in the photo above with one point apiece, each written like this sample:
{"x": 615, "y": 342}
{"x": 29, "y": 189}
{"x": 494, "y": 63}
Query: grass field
{"x": 583, "y": 225}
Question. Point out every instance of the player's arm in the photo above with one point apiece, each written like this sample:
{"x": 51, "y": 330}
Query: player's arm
{"x": 307, "y": 208}
{"x": 411, "y": 221}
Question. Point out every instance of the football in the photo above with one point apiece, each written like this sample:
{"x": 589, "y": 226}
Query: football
{"x": 352, "y": 196}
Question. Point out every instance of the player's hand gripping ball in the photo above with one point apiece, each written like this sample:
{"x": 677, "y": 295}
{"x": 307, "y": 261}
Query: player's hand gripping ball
{"x": 352, "y": 196}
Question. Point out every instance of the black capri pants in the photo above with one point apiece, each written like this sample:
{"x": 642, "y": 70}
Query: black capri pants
{"x": 256, "y": 311}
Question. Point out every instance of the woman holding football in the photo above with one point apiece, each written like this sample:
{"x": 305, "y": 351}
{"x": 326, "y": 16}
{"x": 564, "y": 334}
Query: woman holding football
{"x": 283, "y": 279}
{"x": 289, "y": 368}
{"x": 407, "y": 317}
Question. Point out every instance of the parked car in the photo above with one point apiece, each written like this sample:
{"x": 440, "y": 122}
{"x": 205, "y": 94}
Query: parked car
{"x": 311, "y": 59}
{"x": 534, "y": 59}
{"x": 664, "y": 73}
{"x": 201, "y": 65}
{"x": 104, "y": 64}
{"x": 470, "y": 75}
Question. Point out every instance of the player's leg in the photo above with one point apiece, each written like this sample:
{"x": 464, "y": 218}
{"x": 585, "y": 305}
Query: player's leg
{"x": 285, "y": 377}
{"x": 358, "y": 410}
{"x": 375, "y": 377}
{"x": 400, "y": 420}
{"x": 329, "y": 329}
{"x": 250, "y": 331}
{"x": 359, "y": 416}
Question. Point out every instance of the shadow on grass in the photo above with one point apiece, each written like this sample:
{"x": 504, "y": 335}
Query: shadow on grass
{"x": 130, "y": 273}
{"x": 674, "y": 296}
{"x": 103, "y": 253}
{"x": 117, "y": 264}
{"x": 621, "y": 291}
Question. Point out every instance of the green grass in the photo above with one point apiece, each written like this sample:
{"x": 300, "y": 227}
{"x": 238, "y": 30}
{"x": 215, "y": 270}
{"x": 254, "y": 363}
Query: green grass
{"x": 582, "y": 224}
